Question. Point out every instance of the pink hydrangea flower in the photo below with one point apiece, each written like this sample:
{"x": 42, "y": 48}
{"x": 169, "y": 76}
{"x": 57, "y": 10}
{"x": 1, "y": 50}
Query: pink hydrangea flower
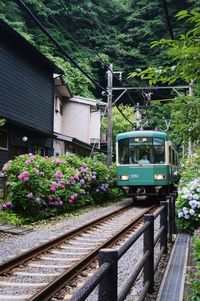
{"x": 27, "y": 161}
{"x": 38, "y": 200}
{"x": 53, "y": 188}
{"x": 57, "y": 161}
{"x": 24, "y": 176}
{"x": 58, "y": 174}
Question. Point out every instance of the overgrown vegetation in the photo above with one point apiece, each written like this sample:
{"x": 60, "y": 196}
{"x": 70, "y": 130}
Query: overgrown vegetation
{"x": 193, "y": 272}
{"x": 96, "y": 34}
{"x": 181, "y": 65}
{"x": 41, "y": 187}
{"x": 188, "y": 202}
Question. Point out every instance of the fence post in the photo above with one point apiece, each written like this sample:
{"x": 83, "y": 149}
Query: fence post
{"x": 108, "y": 285}
{"x": 173, "y": 195}
{"x": 169, "y": 217}
{"x": 163, "y": 222}
{"x": 149, "y": 246}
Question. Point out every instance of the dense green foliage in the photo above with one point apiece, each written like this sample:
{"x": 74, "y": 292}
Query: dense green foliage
{"x": 119, "y": 123}
{"x": 95, "y": 33}
{"x": 188, "y": 202}
{"x": 182, "y": 55}
{"x": 42, "y": 187}
{"x": 193, "y": 272}
{"x": 181, "y": 64}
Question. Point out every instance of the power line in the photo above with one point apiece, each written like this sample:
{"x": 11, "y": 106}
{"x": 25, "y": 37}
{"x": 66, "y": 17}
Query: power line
{"x": 21, "y": 3}
{"x": 124, "y": 115}
{"x": 52, "y": 39}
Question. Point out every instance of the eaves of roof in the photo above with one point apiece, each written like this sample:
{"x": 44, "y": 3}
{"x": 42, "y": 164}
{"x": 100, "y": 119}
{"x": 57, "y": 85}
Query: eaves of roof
{"x": 8, "y": 33}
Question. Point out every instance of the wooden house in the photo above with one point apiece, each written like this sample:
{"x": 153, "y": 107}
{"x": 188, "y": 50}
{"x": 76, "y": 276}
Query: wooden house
{"x": 26, "y": 97}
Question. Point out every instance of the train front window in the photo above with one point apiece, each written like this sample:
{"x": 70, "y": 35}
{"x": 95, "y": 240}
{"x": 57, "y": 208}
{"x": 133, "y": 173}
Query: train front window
{"x": 141, "y": 150}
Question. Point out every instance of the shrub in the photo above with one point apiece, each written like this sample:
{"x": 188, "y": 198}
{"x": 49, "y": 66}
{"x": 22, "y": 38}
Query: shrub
{"x": 188, "y": 201}
{"x": 193, "y": 272}
{"x": 42, "y": 186}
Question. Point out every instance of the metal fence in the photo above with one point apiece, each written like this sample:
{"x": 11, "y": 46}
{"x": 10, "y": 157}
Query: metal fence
{"x": 106, "y": 275}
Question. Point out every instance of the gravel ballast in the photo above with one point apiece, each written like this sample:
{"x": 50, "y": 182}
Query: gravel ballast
{"x": 12, "y": 245}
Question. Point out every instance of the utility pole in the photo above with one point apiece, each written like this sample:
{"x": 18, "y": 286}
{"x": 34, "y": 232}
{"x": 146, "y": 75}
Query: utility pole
{"x": 190, "y": 146}
{"x": 109, "y": 106}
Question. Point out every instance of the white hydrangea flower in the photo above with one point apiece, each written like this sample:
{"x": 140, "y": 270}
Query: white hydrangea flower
{"x": 195, "y": 197}
{"x": 185, "y": 190}
{"x": 187, "y": 216}
{"x": 180, "y": 214}
{"x": 192, "y": 212}
{"x": 185, "y": 210}
{"x": 185, "y": 196}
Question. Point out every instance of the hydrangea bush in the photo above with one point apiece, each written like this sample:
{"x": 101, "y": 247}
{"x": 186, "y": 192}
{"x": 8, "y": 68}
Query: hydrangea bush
{"x": 188, "y": 202}
{"x": 42, "y": 186}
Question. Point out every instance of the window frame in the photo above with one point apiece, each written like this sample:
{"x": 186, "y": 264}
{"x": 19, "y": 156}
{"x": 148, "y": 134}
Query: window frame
{"x": 4, "y": 148}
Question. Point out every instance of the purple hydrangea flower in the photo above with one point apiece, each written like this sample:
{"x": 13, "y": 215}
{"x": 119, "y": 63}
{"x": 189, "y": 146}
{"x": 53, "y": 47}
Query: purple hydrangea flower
{"x": 37, "y": 172}
{"x": 4, "y": 167}
{"x": 29, "y": 195}
{"x": 82, "y": 181}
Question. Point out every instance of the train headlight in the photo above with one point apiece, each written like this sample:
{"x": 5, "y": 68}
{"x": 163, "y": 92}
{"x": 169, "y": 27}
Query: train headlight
{"x": 159, "y": 177}
{"x": 124, "y": 177}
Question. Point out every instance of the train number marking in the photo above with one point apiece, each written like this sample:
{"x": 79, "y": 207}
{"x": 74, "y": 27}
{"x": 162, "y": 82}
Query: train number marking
{"x": 134, "y": 176}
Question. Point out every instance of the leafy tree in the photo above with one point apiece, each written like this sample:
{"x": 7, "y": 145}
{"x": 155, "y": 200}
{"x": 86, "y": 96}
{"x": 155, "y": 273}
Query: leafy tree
{"x": 95, "y": 34}
{"x": 120, "y": 124}
{"x": 183, "y": 55}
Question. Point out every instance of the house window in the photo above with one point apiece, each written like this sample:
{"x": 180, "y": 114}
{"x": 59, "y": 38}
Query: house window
{"x": 3, "y": 140}
{"x": 58, "y": 105}
{"x": 61, "y": 108}
{"x": 40, "y": 151}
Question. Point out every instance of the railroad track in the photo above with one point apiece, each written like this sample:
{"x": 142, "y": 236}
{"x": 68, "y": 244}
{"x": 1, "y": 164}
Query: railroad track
{"x": 38, "y": 274}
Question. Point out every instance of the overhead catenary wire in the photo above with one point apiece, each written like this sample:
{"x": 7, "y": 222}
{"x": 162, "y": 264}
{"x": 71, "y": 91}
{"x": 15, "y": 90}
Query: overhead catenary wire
{"x": 124, "y": 115}
{"x": 54, "y": 41}
{"x": 45, "y": 31}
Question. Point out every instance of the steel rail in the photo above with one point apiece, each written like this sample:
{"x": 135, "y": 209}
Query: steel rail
{"x": 47, "y": 292}
{"x": 20, "y": 259}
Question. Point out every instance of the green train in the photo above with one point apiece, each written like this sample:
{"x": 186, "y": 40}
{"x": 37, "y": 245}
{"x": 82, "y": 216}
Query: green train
{"x": 146, "y": 164}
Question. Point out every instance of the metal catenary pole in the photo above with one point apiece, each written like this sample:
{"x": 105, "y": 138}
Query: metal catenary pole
{"x": 109, "y": 104}
{"x": 190, "y": 145}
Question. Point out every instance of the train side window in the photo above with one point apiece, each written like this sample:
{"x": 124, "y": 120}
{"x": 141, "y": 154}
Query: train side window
{"x": 159, "y": 150}
{"x": 171, "y": 156}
